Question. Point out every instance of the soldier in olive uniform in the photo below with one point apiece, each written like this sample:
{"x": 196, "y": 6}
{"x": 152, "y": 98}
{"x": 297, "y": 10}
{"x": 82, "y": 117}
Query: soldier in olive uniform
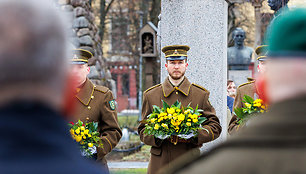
{"x": 273, "y": 142}
{"x": 248, "y": 88}
{"x": 177, "y": 87}
{"x": 95, "y": 103}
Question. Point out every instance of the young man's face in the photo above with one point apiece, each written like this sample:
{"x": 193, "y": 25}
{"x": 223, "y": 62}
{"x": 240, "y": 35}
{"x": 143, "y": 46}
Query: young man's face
{"x": 176, "y": 68}
{"x": 261, "y": 68}
{"x": 79, "y": 72}
{"x": 231, "y": 89}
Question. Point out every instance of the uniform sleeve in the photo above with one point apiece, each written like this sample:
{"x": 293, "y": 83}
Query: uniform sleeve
{"x": 109, "y": 127}
{"x": 147, "y": 139}
{"x": 212, "y": 128}
{"x": 233, "y": 125}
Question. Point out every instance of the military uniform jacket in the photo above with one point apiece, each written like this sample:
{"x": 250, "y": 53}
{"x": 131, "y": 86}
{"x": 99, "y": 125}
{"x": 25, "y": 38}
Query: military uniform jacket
{"x": 163, "y": 151}
{"x": 244, "y": 89}
{"x": 97, "y": 104}
{"x": 272, "y": 143}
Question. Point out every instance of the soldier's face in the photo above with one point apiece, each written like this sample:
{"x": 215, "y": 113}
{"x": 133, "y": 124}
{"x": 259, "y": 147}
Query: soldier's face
{"x": 79, "y": 72}
{"x": 261, "y": 68}
{"x": 176, "y": 68}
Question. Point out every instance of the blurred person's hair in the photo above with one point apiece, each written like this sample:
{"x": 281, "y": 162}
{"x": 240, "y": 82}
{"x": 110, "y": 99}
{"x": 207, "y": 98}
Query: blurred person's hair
{"x": 229, "y": 81}
{"x": 33, "y": 48}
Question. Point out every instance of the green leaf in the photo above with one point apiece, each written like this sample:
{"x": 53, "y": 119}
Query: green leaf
{"x": 156, "y": 109}
{"x": 165, "y": 105}
{"x": 239, "y": 113}
{"x": 176, "y": 104}
{"x": 248, "y": 99}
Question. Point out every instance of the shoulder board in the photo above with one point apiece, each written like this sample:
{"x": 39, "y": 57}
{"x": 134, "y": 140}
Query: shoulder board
{"x": 102, "y": 89}
{"x": 152, "y": 88}
{"x": 201, "y": 87}
{"x": 246, "y": 83}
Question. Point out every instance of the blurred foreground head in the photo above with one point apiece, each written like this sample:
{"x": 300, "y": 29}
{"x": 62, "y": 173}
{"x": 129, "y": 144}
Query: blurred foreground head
{"x": 286, "y": 68}
{"x": 32, "y": 51}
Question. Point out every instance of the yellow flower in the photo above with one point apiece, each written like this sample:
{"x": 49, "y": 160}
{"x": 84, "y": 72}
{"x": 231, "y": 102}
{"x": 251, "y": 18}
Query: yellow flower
{"x": 248, "y": 105}
{"x": 258, "y": 101}
{"x": 188, "y": 124}
{"x": 262, "y": 111}
{"x": 165, "y": 125}
{"x": 257, "y": 104}
{"x": 178, "y": 110}
{"x": 89, "y": 135}
{"x": 195, "y": 120}
{"x": 153, "y": 120}
{"x": 71, "y": 131}
{"x": 86, "y": 131}
{"x": 187, "y": 111}
{"x": 160, "y": 119}
{"x": 188, "y": 119}
{"x": 263, "y": 107}
{"x": 84, "y": 137}
{"x": 181, "y": 117}
{"x": 173, "y": 122}
{"x": 77, "y": 130}
{"x": 82, "y": 128}
{"x": 170, "y": 110}
{"x": 90, "y": 144}
{"x": 156, "y": 127}
{"x": 78, "y": 138}
{"x": 194, "y": 116}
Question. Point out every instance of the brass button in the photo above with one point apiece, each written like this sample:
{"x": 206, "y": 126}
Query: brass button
{"x": 89, "y": 107}
{"x": 176, "y": 92}
{"x": 92, "y": 97}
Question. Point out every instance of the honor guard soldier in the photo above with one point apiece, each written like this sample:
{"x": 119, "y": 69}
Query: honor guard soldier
{"x": 275, "y": 141}
{"x": 248, "y": 88}
{"x": 177, "y": 87}
{"x": 95, "y": 104}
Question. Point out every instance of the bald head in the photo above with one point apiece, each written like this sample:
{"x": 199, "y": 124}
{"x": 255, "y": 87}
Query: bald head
{"x": 32, "y": 45}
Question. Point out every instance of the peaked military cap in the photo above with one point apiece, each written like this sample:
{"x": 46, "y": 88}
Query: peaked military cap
{"x": 262, "y": 52}
{"x": 176, "y": 52}
{"x": 80, "y": 56}
{"x": 287, "y": 33}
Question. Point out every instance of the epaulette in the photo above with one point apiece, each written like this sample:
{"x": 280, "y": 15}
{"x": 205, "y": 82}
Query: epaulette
{"x": 152, "y": 88}
{"x": 102, "y": 89}
{"x": 201, "y": 87}
{"x": 246, "y": 83}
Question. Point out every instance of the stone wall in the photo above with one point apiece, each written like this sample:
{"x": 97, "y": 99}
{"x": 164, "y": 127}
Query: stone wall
{"x": 85, "y": 33}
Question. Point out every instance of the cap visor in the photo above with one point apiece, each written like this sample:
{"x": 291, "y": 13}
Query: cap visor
{"x": 176, "y": 58}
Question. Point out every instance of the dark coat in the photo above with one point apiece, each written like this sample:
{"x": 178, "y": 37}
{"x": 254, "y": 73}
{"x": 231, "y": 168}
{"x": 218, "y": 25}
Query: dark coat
{"x": 35, "y": 139}
{"x": 272, "y": 143}
{"x": 164, "y": 152}
{"x": 230, "y": 103}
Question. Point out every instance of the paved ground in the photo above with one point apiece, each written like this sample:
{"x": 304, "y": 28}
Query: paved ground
{"x": 127, "y": 165}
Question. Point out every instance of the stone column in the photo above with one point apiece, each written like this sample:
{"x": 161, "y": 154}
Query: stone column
{"x": 203, "y": 26}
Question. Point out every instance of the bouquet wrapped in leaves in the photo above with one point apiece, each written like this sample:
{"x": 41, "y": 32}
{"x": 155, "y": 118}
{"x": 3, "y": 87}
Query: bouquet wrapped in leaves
{"x": 175, "y": 120}
{"x": 87, "y": 135}
{"x": 252, "y": 107}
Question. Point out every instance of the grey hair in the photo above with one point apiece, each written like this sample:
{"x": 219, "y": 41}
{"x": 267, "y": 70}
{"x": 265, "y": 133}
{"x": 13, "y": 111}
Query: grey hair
{"x": 33, "y": 44}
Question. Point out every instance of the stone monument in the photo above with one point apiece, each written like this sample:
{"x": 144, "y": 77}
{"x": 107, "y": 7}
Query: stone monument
{"x": 203, "y": 26}
{"x": 278, "y": 5}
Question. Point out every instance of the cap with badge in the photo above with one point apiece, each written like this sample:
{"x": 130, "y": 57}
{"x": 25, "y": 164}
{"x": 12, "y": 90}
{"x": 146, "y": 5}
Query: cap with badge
{"x": 262, "y": 52}
{"x": 80, "y": 56}
{"x": 176, "y": 52}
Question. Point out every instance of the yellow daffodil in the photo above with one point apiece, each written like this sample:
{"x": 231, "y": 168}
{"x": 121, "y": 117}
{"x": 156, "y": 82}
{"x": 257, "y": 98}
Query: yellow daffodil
{"x": 181, "y": 117}
{"x": 90, "y": 144}
{"x": 165, "y": 125}
{"x": 156, "y": 127}
{"x": 188, "y": 119}
{"x": 178, "y": 110}
{"x": 257, "y": 104}
{"x": 170, "y": 110}
{"x": 71, "y": 131}
{"x": 77, "y": 130}
{"x": 78, "y": 138}
{"x": 84, "y": 137}
{"x": 89, "y": 135}
{"x": 248, "y": 105}
{"x": 82, "y": 128}
{"x": 86, "y": 131}
{"x": 188, "y": 124}
{"x": 195, "y": 120}
{"x": 263, "y": 107}
{"x": 262, "y": 111}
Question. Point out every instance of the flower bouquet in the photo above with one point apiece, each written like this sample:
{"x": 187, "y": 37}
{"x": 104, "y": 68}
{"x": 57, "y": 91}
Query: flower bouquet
{"x": 175, "y": 120}
{"x": 87, "y": 136}
{"x": 252, "y": 107}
